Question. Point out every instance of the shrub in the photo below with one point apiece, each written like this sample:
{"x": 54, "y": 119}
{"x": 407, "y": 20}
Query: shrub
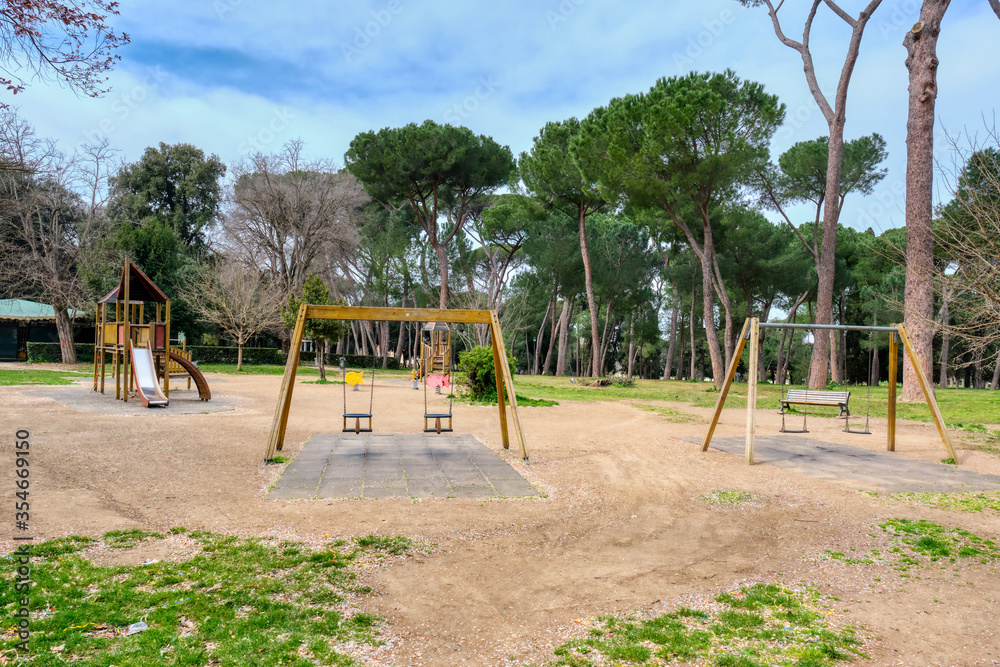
{"x": 480, "y": 375}
{"x": 50, "y": 353}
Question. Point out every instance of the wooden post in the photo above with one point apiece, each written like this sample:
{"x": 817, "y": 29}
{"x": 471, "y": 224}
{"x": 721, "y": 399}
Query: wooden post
{"x": 104, "y": 343}
{"x": 166, "y": 346}
{"x": 277, "y": 439}
{"x": 126, "y": 380}
{"x": 509, "y": 380}
{"x": 904, "y": 335}
{"x": 498, "y": 377}
{"x": 752, "y": 388}
{"x": 733, "y": 364}
{"x": 890, "y": 432}
{"x": 97, "y": 341}
{"x": 117, "y": 359}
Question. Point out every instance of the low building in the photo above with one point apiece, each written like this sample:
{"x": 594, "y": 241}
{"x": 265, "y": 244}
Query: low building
{"x": 23, "y": 322}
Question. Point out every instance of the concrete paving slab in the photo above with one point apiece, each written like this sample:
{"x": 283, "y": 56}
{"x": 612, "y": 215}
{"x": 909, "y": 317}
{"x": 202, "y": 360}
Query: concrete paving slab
{"x": 348, "y": 465}
{"x": 863, "y": 469}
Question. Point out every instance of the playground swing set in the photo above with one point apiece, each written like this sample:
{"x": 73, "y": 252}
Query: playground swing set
{"x": 140, "y": 353}
{"x": 897, "y": 333}
{"x": 436, "y": 358}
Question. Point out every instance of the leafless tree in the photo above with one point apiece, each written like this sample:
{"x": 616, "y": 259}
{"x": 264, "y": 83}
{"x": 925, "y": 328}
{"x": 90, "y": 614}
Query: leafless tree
{"x": 284, "y": 213}
{"x": 45, "y": 224}
{"x": 238, "y": 298}
{"x": 968, "y": 235}
{"x": 835, "y": 114}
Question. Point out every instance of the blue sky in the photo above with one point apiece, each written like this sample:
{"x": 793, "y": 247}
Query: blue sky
{"x": 232, "y": 76}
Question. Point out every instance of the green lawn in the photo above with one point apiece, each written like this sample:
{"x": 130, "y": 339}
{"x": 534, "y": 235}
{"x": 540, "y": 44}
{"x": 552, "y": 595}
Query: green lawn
{"x": 972, "y": 410}
{"x": 236, "y": 601}
{"x": 35, "y": 376}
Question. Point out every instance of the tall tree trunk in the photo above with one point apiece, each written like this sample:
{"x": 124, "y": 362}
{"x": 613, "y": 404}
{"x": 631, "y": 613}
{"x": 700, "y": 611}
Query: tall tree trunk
{"x": 64, "y": 328}
{"x": 402, "y": 336}
{"x": 442, "y": 254}
{"x": 239, "y": 355}
{"x": 978, "y": 381}
{"x": 589, "y": 280}
{"x": 631, "y": 343}
{"x": 538, "y": 340}
{"x": 682, "y": 344}
{"x": 691, "y": 327}
{"x": 562, "y": 359}
{"x": 761, "y": 366}
{"x": 826, "y": 267}
{"x": 918, "y": 303}
{"x": 321, "y": 357}
{"x": 675, "y": 305}
{"x": 557, "y": 324}
{"x": 996, "y": 374}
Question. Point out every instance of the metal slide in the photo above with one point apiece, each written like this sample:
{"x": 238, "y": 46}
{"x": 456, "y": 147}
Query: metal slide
{"x": 146, "y": 385}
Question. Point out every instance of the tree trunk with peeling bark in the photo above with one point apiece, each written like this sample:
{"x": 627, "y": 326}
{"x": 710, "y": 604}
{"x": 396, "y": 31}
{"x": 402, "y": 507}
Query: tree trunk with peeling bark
{"x": 595, "y": 369}
{"x": 675, "y": 306}
{"x": 918, "y": 305}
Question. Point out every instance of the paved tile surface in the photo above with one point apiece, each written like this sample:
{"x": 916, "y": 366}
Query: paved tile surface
{"x": 367, "y": 465}
{"x": 856, "y": 467}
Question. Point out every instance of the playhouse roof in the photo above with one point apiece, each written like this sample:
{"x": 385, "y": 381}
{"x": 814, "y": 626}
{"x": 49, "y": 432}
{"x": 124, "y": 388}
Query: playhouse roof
{"x": 436, "y": 326}
{"x": 140, "y": 289}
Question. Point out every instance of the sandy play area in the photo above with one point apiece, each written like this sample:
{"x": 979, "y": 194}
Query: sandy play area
{"x": 620, "y": 524}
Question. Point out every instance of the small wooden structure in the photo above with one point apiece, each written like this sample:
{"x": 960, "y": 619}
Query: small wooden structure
{"x": 751, "y": 333}
{"x": 438, "y": 315}
{"x": 129, "y": 323}
{"x": 121, "y": 316}
{"x": 435, "y": 349}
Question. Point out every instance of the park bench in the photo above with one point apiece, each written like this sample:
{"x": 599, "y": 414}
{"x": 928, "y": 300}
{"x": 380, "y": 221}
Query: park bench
{"x": 837, "y": 399}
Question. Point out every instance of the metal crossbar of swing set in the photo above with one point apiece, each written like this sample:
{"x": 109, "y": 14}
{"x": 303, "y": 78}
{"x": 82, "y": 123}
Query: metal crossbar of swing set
{"x": 836, "y": 327}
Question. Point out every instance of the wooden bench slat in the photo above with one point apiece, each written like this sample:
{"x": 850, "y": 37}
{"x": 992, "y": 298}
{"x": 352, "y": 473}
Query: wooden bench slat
{"x": 816, "y": 397}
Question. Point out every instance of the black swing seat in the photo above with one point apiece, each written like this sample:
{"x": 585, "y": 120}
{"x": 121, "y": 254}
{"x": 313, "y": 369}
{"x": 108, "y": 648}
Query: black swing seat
{"x": 837, "y": 399}
{"x": 357, "y": 417}
{"x": 437, "y": 417}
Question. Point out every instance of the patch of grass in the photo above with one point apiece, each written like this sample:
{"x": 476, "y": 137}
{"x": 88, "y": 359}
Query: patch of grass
{"x": 19, "y": 376}
{"x": 949, "y": 461}
{"x": 727, "y": 497}
{"x": 844, "y": 558}
{"x": 763, "y": 624}
{"x": 935, "y": 542}
{"x": 278, "y": 460}
{"x": 522, "y": 401}
{"x": 126, "y": 539}
{"x": 670, "y": 414}
{"x": 237, "y": 601}
{"x": 322, "y": 381}
{"x": 394, "y": 545}
{"x": 957, "y": 502}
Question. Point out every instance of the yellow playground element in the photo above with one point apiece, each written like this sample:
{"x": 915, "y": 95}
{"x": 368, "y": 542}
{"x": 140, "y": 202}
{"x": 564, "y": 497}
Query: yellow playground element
{"x": 354, "y": 378}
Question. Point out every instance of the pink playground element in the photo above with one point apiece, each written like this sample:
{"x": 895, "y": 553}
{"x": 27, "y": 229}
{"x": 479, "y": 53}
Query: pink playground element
{"x": 437, "y": 380}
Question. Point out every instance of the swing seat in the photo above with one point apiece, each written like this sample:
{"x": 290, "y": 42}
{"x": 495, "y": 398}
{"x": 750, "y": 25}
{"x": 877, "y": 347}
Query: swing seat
{"x": 438, "y": 427}
{"x": 357, "y": 417}
{"x": 837, "y": 399}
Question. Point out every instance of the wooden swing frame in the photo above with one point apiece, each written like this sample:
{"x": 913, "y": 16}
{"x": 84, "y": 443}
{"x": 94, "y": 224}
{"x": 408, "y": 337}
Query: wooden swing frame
{"x": 751, "y": 333}
{"x": 276, "y": 440}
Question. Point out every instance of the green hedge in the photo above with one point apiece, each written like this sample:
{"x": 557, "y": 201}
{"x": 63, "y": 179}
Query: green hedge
{"x": 254, "y": 356}
{"x": 213, "y": 354}
{"x": 50, "y": 352}
{"x": 267, "y": 356}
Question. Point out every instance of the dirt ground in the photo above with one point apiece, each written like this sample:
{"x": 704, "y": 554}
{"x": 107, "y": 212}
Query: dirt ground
{"x": 621, "y": 527}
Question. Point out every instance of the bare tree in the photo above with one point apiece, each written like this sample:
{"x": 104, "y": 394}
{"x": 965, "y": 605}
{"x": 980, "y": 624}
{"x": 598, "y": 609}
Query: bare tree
{"x": 238, "y": 298}
{"x": 969, "y": 236}
{"x": 45, "y": 225}
{"x": 286, "y": 213}
{"x": 836, "y": 116}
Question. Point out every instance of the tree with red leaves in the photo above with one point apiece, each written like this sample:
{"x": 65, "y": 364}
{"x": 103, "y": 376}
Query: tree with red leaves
{"x": 69, "y": 42}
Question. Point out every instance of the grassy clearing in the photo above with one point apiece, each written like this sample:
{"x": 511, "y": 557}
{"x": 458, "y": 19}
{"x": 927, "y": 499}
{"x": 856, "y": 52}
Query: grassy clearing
{"x": 10, "y": 377}
{"x": 236, "y": 601}
{"x": 754, "y": 626}
{"x": 956, "y": 502}
{"x": 924, "y": 544}
{"x": 966, "y": 409}
{"x": 669, "y": 414}
{"x": 728, "y": 497}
